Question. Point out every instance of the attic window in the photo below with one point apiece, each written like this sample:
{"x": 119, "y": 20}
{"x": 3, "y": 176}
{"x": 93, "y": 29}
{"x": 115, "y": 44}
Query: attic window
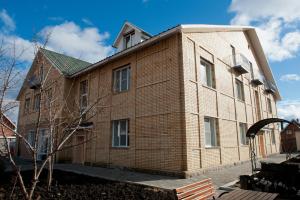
{"x": 128, "y": 40}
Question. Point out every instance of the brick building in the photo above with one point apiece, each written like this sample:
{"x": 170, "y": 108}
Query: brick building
{"x": 7, "y": 130}
{"x": 176, "y": 102}
{"x": 290, "y": 137}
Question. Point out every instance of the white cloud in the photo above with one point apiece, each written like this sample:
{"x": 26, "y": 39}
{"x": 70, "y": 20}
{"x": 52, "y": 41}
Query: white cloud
{"x": 290, "y": 77}
{"x": 84, "y": 43}
{"x": 289, "y": 109}
{"x": 9, "y": 24}
{"x": 69, "y": 38}
{"x": 277, "y": 24}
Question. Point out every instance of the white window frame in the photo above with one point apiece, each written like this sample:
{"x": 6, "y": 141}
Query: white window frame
{"x": 117, "y": 76}
{"x": 239, "y": 88}
{"x": 243, "y": 130}
{"x": 119, "y": 133}
{"x": 130, "y": 36}
{"x": 207, "y": 73}
{"x": 213, "y": 135}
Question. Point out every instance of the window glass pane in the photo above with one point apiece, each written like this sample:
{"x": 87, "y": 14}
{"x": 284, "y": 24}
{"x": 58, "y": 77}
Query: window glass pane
{"x": 207, "y": 132}
{"x": 123, "y": 140}
{"x": 203, "y": 73}
{"x": 127, "y": 41}
{"x": 209, "y": 76}
{"x": 242, "y": 134}
{"x": 239, "y": 90}
{"x": 115, "y": 134}
{"x": 124, "y": 79}
{"x": 123, "y": 127}
{"x": 117, "y": 81}
{"x": 213, "y": 132}
{"x": 83, "y": 87}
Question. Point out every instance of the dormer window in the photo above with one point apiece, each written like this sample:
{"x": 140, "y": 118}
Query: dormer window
{"x": 129, "y": 36}
{"x": 128, "y": 40}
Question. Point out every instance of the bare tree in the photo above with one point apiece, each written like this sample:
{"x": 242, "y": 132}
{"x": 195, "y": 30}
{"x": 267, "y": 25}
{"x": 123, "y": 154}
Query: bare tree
{"x": 61, "y": 129}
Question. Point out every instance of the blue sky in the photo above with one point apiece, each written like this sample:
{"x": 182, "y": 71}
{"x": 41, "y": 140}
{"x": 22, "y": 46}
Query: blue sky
{"x": 92, "y": 26}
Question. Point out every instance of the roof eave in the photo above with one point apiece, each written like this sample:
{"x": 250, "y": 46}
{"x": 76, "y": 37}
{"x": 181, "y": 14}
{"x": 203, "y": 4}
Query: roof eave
{"x": 130, "y": 50}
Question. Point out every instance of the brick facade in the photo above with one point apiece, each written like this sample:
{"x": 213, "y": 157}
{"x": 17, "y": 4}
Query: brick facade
{"x": 166, "y": 105}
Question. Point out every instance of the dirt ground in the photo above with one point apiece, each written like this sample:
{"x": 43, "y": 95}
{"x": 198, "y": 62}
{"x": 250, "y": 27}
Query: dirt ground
{"x": 67, "y": 185}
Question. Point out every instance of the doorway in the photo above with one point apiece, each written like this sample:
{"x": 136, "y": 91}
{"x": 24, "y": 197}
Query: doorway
{"x": 262, "y": 149}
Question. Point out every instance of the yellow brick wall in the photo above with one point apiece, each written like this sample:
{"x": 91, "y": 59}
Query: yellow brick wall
{"x": 220, "y": 103}
{"x": 152, "y": 106}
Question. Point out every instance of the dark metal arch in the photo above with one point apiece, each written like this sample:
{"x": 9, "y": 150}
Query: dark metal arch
{"x": 253, "y": 130}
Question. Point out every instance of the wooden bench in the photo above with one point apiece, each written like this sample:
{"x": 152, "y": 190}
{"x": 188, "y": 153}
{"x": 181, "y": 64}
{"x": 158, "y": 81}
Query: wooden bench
{"x": 249, "y": 195}
{"x": 201, "y": 190}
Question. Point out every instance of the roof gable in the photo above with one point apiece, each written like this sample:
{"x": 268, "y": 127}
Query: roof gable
{"x": 66, "y": 65}
{"x": 126, "y": 28}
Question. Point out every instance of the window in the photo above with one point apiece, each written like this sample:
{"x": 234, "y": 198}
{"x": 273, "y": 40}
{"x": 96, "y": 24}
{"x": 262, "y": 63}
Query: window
{"x": 243, "y": 130}
{"x": 207, "y": 73}
{"x": 210, "y": 132}
{"x": 121, "y": 79}
{"x": 83, "y": 98}
{"x": 273, "y": 137}
{"x": 128, "y": 40}
{"x": 120, "y": 130}
{"x": 43, "y": 144}
{"x": 269, "y": 105}
{"x": 30, "y": 138}
{"x": 37, "y": 101}
{"x": 27, "y": 105}
{"x": 239, "y": 90}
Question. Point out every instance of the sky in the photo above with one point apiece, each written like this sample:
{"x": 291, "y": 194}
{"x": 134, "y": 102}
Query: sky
{"x": 87, "y": 29}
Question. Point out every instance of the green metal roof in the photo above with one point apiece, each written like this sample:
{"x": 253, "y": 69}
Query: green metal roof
{"x": 66, "y": 64}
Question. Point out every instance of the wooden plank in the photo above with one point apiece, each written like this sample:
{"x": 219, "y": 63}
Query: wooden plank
{"x": 187, "y": 187}
{"x": 249, "y": 195}
{"x": 201, "y": 194}
{"x": 194, "y": 190}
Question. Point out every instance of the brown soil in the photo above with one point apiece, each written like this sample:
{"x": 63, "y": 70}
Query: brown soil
{"x": 67, "y": 185}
